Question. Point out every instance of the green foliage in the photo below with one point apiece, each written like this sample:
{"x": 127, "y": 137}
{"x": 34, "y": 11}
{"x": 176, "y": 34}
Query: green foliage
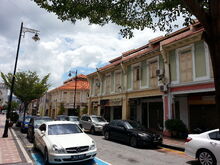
{"x": 85, "y": 110}
{"x": 14, "y": 105}
{"x": 28, "y": 86}
{"x": 62, "y": 109}
{"x": 129, "y": 14}
{"x": 177, "y": 126}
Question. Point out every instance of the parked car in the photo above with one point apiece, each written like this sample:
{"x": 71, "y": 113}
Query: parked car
{"x": 61, "y": 118}
{"x": 131, "y": 132}
{"x": 64, "y": 142}
{"x": 34, "y": 124}
{"x": 205, "y": 147}
{"x": 4, "y": 112}
{"x": 24, "y": 123}
{"x": 93, "y": 123}
{"x": 20, "y": 119}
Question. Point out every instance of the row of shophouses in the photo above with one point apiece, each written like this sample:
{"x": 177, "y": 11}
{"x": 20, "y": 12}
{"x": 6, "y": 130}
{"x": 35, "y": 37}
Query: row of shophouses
{"x": 170, "y": 77}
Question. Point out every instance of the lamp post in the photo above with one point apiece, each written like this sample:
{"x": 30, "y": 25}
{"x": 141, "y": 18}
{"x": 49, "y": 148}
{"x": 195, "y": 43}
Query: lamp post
{"x": 74, "y": 99}
{"x": 23, "y": 30}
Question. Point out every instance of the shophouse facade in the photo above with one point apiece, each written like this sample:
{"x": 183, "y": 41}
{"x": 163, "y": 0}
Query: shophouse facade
{"x": 191, "y": 92}
{"x": 170, "y": 77}
{"x": 128, "y": 87}
{"x": 61, "y": 99}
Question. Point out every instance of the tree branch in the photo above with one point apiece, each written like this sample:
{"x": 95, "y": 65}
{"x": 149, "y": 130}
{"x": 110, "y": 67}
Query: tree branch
{"x": 196, "y": 9}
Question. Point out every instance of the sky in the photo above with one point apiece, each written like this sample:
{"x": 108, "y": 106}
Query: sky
{"x": 63, "y": 46}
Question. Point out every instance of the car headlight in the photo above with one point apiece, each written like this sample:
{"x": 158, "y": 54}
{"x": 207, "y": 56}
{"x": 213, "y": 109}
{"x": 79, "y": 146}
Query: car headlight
{"x": 98, "y": 125}
{"x": 142, "y": 134}
{"x": 92, "y": 147}
{"x": 57, "y": 149}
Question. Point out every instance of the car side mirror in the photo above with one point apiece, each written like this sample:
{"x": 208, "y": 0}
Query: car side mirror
{"x": 89, "y": 120}
{"x": 43, "y": 133}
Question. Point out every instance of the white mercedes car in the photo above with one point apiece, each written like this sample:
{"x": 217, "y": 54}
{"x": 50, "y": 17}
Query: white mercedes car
{"x": 205, "y": 147}
{"x": 64, "y": 142}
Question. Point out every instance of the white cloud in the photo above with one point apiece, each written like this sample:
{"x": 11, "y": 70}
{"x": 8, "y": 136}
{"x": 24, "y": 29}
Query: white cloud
{"x": 63, "y": 46}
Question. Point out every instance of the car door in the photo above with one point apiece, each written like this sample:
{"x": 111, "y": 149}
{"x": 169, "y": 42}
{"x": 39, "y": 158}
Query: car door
{"x": 84, "y": 122}
{"x": 215, "y": 144}
{"x": 40, "y": 137}
{"x": 112, "y": 127}
{"x": 121, "y": 131}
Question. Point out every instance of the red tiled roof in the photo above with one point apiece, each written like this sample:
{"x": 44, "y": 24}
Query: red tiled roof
{"x": 154, "y": 45}
{"x": 80, "y": 85}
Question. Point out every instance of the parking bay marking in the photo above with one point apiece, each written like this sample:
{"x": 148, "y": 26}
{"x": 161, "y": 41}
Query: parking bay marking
{"x": 38, "y": 159}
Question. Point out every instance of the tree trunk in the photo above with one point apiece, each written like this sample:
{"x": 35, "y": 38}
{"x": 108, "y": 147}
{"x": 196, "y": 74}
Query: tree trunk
{"x": 213, "y": 41}
{"x": 25, "y": 109}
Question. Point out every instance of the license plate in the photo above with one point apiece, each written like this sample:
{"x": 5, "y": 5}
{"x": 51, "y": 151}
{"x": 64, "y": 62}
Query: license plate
{"x": 76, "y": 157}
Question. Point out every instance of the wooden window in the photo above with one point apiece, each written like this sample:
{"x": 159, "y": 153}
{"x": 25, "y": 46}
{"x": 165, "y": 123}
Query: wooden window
{"x": 153, "y": 66}
{"x": 136, "y": 77}
{"x": 117, "y": 81}
{"x": 107, "y": 84}
{"x": 185, "y": 61}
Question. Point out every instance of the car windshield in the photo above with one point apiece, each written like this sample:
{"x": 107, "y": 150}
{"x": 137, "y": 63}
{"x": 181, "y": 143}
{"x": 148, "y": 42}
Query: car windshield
{"x": 62, "y": 129}
{"x": 98, "y": 119}
{"x": 38, "y": 122}
{"x": 73, "y": 118}
{"x": 133, "y": 125}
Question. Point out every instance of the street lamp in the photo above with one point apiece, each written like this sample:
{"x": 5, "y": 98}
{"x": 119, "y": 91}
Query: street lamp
{"x": 74, "y": 101}
{"x": 23, "y": 30}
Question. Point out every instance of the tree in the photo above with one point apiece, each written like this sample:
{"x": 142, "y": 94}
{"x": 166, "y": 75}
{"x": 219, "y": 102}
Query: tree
{"x": 138, "y": 14}
{"x": 62, "y": 109}
{"x": 14, "y": 105}
{"x": 28, "y": 86}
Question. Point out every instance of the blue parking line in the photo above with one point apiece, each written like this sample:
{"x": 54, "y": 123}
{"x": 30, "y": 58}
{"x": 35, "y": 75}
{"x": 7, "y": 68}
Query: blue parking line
{"x": 100, "y": 162}
{"x": 38, "y": 160}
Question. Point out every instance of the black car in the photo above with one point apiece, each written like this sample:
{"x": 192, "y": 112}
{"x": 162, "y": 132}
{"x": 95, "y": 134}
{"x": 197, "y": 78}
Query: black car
{"x": 25, "y": 123}
{"x": 34, "y": 124}
{"x": 131, "y": 132}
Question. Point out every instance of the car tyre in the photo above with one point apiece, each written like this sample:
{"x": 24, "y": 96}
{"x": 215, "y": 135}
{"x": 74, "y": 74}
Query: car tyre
{"x": 92, "y": 130}
{"x": 133, "y": 141}
{"x": 106, "y": 135}
{"x": 34, "y": 145}
{"x": 206, "y": 158}
{"x": 46, "y": 161}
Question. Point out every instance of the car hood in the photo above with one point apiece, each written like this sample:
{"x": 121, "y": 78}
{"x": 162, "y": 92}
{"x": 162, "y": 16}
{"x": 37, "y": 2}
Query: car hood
{"x": 102, "y": 123}
{"x": 70, "y": 140}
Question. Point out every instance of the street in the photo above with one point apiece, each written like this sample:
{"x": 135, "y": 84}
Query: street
{"x": 111, "y": 152}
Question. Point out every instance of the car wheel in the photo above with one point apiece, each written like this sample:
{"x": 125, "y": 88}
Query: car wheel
{"x": 46, "y": 161}
{"x": 206, "y": 158}
{"x": 133, "y": 141}
{"x": 106, "y": 135}
{"x": 92, "y": 130}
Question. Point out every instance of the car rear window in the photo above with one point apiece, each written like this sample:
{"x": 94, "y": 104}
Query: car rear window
{"x": 215, "y": 135}
{"x": 62, "y": 129}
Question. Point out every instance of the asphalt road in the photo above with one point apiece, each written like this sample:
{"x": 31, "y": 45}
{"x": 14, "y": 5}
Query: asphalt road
{"x": 121, "y": 154}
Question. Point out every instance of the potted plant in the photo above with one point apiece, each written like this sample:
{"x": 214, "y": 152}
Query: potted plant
{"x": 176, "y": 127}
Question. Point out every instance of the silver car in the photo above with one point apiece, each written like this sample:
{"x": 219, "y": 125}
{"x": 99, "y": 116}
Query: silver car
{"x": 92, "y": 123}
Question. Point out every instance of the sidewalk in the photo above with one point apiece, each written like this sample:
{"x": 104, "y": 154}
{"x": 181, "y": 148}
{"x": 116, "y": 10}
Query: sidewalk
{"x": 176, "y": 144}
{"x": 11, "y": 150}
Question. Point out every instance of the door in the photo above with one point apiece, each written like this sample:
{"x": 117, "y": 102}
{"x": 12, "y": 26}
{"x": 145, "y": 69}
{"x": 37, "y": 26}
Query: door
{"x": 156, "y": 115}
{"x": 145, "y": 115}
{"x": 215, "y": 144}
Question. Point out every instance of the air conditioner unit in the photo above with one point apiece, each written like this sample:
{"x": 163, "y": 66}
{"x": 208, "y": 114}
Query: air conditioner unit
{"x": 159, "y": 72}
{"x": 163, "y": 88}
